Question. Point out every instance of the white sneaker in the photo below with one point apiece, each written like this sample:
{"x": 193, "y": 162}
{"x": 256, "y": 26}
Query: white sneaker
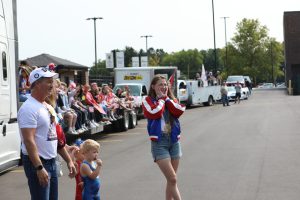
{"x": 80, "y": 130}
{"x": 107, "y": 123}
{"x": 96, "y": 124}
{"x": 132, "y": 112}
{"x": 84, "y": 128}
{"x": 92, "y": 125}
{"x": 114, "y": 118}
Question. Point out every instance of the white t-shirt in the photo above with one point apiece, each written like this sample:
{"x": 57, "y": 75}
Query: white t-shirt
{"x": 34, "y": 114}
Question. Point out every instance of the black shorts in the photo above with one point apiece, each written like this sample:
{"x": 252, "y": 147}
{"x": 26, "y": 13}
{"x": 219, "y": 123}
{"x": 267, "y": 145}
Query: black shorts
{"x": 238, "y": 95}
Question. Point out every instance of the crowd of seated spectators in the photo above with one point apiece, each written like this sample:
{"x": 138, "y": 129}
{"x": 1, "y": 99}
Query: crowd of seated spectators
{"x": 79, "y": 107}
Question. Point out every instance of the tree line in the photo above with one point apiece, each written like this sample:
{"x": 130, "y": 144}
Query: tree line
{"x": 251, "y": 51}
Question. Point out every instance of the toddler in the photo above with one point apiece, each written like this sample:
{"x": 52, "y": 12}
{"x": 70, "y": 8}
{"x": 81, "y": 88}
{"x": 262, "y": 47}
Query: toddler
{"x": 90, "y": 169}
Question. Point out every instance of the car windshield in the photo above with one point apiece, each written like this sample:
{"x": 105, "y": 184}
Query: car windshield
{"x": 230, "y": 89}
{"x": 235, "y": 79}
{"x": 135, "y": 90}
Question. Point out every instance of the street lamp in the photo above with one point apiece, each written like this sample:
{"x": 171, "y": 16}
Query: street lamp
{"x": 272, "y": 62}
{"x": 213, "y": 12}
{"x": 146, "y": 36}
{"x": 225, "y": 63}
{"x": 95, "y": 18}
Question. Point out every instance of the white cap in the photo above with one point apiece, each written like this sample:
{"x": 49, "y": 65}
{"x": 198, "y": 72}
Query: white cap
{"x": 39, "y": 73}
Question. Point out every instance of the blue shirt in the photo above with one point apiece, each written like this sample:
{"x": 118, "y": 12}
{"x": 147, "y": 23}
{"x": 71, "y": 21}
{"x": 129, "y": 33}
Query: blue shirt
{"x": 90, "y": 186}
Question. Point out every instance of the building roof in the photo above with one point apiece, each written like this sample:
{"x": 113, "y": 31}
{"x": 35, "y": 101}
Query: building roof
{"x": 44, "y": 59}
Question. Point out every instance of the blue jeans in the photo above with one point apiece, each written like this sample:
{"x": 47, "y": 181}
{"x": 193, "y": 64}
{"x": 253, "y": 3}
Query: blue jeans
{"x": 38, "y": 192}
{"x": 225, "y": 100}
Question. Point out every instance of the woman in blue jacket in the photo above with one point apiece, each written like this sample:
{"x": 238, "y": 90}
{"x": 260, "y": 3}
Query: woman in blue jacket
{"x": 162, "y": 112}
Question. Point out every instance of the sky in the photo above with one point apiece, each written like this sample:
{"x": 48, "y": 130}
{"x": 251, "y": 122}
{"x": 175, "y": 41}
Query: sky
{"x": 60, "y": 28}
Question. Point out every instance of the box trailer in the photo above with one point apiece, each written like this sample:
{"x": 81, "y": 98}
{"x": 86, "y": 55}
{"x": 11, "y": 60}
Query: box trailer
{"x": 138, "y": 80}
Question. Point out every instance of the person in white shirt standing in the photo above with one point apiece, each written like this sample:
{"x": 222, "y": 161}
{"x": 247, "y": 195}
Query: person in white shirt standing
{"x": 39, "y": 139}
{"x": 224, "y": 93}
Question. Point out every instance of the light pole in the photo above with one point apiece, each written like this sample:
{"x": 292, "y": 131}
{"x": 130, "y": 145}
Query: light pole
{"x": 272, "y": 62}
{"x": 95, "y": 18}
{"x": 225, "y": 63}
{"x": 146, "y": 36}
{"x": 213, "y": 12}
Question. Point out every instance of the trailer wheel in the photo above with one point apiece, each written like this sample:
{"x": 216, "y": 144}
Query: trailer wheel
{"x": 209, "y": 102}
{"x": 124, "y": 122}
{"x": 133, "y": 120}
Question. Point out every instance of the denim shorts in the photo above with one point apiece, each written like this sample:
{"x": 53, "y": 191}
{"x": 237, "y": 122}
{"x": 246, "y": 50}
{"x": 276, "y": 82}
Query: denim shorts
{"x": 164, "y": 148}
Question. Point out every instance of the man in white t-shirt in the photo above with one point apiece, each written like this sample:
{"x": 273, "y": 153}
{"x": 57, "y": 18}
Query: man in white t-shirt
{"x": 39, "y": 139}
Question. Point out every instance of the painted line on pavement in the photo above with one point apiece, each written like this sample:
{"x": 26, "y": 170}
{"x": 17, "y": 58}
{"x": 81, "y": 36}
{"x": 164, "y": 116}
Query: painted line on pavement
{"x": 107, "y": 141}
{"x": 18, "y": 170}
{"x": 125, "y": 134}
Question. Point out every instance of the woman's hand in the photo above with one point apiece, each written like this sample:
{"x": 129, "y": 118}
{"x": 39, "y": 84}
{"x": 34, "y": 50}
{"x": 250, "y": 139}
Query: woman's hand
{"x": 161, "y": 94}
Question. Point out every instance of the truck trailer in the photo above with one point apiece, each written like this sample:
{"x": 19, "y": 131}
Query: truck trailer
{"x": 138, "y": 80}
{"x": 10, "y": 141}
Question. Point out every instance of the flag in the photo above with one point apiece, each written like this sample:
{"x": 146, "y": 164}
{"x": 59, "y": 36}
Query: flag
{"x": 203, "y": 76}
{"x": 172, "y": 78}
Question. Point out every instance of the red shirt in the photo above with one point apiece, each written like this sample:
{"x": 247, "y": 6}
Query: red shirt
{"x": 78, "y": 195}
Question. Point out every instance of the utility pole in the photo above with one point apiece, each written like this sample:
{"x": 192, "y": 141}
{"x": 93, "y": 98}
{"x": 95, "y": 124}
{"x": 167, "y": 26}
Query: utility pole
{"x": 225, "y": 62}
{"x": 215, "y": 50}
{"x": 272, "y": 62}
{"x": 146, "y": 36}
{"x": 95, "y": 18}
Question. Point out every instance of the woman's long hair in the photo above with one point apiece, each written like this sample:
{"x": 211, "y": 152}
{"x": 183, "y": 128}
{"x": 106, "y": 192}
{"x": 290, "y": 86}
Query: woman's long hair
{"x": 51, "y": 99}
{"x": 152, "y": 92}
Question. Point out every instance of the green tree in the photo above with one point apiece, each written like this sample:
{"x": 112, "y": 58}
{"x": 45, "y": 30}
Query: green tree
{"x": 188, "y": 62}
{"x": 155, "y": 56}
{"x": 249, "y": 53}
{"x": 209, "y": 59}
{"x": 129, "y": 52}
{"x": 100, "y": 69}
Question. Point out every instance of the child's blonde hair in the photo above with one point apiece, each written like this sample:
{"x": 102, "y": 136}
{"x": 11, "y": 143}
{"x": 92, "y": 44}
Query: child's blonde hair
{"x": 88, "y": 145}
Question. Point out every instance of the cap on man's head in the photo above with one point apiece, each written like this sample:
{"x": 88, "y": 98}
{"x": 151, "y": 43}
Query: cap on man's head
{"x": 40, "y": 73}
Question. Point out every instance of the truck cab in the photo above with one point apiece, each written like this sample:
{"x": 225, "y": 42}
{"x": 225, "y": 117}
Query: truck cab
{"x": 138, "y": 91}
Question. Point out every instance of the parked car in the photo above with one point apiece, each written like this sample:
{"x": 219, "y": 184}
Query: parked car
{"x": 231, "y": 93}
{"x": 281, "y": 85}
{"x": 266, "y": 85}
{"x": 232, "y": 80}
